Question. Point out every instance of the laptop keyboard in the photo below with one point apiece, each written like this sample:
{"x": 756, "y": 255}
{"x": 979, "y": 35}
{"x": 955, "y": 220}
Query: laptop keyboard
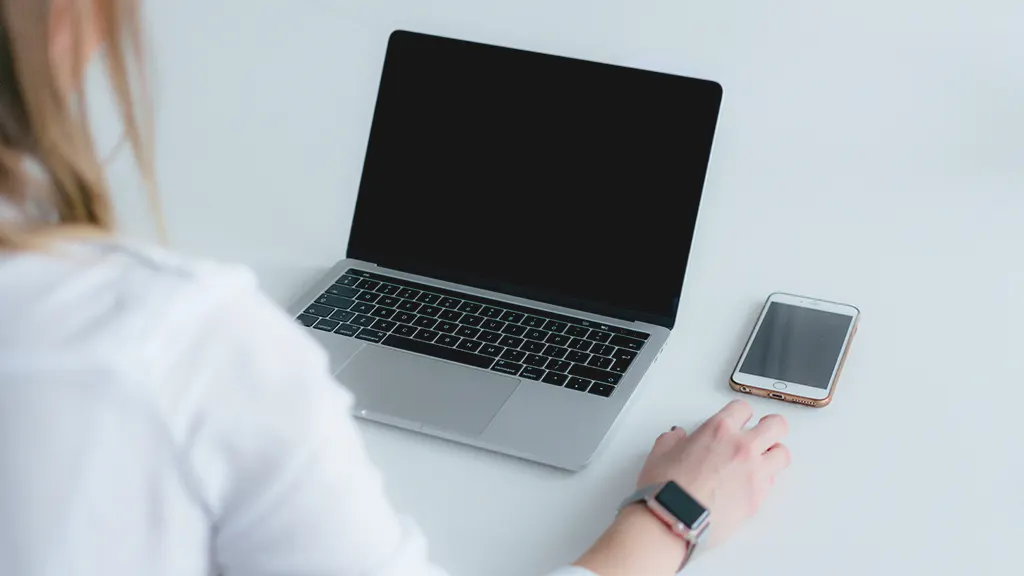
{"x": 491, "y": 335}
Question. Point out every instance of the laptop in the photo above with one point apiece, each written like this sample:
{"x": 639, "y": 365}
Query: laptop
{"x": 519, "y": 244}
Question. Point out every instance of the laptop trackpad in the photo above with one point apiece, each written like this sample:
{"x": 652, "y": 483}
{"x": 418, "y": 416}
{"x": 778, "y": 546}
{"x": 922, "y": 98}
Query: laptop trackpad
{"x": 431, "y": 392}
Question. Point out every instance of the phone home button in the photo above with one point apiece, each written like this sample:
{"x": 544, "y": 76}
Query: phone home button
{"x": 780, "y": 385}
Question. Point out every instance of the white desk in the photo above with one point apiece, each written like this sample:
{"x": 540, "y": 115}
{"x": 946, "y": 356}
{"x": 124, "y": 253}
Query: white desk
{"x": 870, "y": 152}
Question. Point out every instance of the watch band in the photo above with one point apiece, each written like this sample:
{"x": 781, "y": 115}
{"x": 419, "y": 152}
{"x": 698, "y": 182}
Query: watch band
{"x": 691, "y": 535}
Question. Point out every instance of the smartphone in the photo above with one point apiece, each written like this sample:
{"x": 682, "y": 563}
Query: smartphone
{"x": 797, "y": 350}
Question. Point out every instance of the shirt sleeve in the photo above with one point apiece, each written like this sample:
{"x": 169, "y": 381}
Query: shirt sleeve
{"x": 275, "y": 455}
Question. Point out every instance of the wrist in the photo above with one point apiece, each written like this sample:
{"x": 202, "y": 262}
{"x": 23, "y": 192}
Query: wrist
{"x": 636, "y": 543}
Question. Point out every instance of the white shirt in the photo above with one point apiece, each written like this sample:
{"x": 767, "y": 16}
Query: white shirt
{"x": 162, "y": 417}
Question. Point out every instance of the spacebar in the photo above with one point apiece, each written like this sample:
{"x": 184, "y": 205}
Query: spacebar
{"x": 442, "y": 352}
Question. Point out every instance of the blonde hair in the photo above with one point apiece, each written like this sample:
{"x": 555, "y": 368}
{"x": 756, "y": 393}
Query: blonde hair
{"x": 44, "y": 123}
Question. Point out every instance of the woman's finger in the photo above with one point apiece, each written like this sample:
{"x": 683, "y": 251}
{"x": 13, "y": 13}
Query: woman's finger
{"x": 771, "y": 430}
{"x": 776, "y": 459}
{"x": 737, "y": 413}
{"x": 669, "y": 439}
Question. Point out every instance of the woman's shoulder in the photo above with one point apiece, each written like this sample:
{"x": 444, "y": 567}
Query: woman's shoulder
{"x": 87, "y": 296}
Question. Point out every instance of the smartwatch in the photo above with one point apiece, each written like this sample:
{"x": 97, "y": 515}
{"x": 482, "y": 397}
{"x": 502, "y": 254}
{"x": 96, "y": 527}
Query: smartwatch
{"x": 686, "y": 517}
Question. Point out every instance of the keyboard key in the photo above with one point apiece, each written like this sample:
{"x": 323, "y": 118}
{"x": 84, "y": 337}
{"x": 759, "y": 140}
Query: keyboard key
{"x": 577, "y": 357}
{"x": 495, "y": 325}
{"x": 446, "y": 327}
{"x": 342, "y": 316}
{"x": 601, "y": 389}
{"x": 404, "y": 318}
{"x": 554, "y": 378}
{"x": 408, "y": 294}
{"x": 596, "y": 374}
{"x": 506, "y": 367}
{"x": 513, "y": 355}
{"x": 532, "y": 373}
{"x": 450, "y": 354}
{"x": 634, "y": 334}
{"x": 555, "y": 352}
{"x": 318, "y": 310}
{"x": 363, "y": 321}
{"x": 367, "y": 296}
{"x": 598, "y": 336}
{"x": 450, "y": 303}
{"x": 424, "y": 322}
{"x": 384, "y": 325}
{"x": 367, "y": 285}
{"x": 409, "y": 306}
{"x": 426, "y": 335}
{"x": 491, "y": 350}
{"x": 553, "y": 326}
{"x": 533, "y": 347}
{"x": 307, "y": 320}
{"x": 474, "y": 321}
{"x": 513, "y": 330}
{"x": 513, "y": 317}
{"x": 326, "y": 325}
{"x": 538, "y": 335}
{"x": 389, "y": 301}
{"x": 470, "y": 307}
{"x": 448, "y": 340}
{"x": 578, "y": 384}
{"x": 535, "y": 360}
{"x": 370, "y": 335}
{"x": 600, "y": 362}
{"x": 491, "y": 312}
{"x": 576, "y": 331}
{"x": 620, "y": 366}
{"x": 405, "y": 330}
{"x": 558, "y": 365}
{"x": 347, "y": 330}
{"x": 467, "y": 332}
{"x": 580, "y": 344}
{"x": 534, "y": 322}
{"x": 363, "y": 308}
{"x": 335, "y": 301}
{"x": 469, "y": 345}
{"x": 511, "y": 342}
{"x": 627, "y": 343}
{"x": 489, "y": 337}
{"x": 558, "y": 339}
{"x": 382, "y": 312}
{"x": 347, "y": 281}
{"x": 450, "y": 315}
{"x": 602, "y": 350}
{"x": 623, "y": 354}
{"x": 388, "y": 289}
{"x": 432, "y": 311}
{"x": 342, "y": 291}
{"x": 428, "y": 298}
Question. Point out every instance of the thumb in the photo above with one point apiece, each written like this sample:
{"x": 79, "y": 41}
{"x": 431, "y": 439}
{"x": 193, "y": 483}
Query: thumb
{"x": 666, "y": 441}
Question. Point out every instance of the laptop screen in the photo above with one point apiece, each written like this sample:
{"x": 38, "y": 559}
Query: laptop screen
{"x": 559, "y": 180}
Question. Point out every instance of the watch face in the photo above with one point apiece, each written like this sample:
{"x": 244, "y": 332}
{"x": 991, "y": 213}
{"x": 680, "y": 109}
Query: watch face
{"x": 679, "y": 504}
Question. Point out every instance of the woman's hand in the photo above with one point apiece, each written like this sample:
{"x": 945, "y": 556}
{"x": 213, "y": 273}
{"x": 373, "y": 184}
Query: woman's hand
{"x": 727, "y": 469}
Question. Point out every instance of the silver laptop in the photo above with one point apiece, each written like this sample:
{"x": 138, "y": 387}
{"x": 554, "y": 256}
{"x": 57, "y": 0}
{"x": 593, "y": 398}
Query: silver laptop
{"x": 518, "y": 247}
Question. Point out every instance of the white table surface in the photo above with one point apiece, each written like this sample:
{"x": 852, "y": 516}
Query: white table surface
{"x": 868, "y": 152}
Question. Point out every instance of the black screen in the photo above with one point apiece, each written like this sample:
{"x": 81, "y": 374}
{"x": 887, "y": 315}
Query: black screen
{"x": 550, "y": 178}
{"x": 680, "y": 504}
{"x": 799, "y": 345}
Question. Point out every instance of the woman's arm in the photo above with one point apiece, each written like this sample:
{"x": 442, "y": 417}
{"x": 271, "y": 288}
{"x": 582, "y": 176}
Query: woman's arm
{"x": 275, "y": 458}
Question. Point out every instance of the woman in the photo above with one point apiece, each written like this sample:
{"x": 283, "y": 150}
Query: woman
{"x": 161, "y": 416}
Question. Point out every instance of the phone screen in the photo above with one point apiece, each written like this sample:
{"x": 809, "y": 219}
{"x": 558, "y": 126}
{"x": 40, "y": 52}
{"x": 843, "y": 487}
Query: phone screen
{"x": 798, "y": 345}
